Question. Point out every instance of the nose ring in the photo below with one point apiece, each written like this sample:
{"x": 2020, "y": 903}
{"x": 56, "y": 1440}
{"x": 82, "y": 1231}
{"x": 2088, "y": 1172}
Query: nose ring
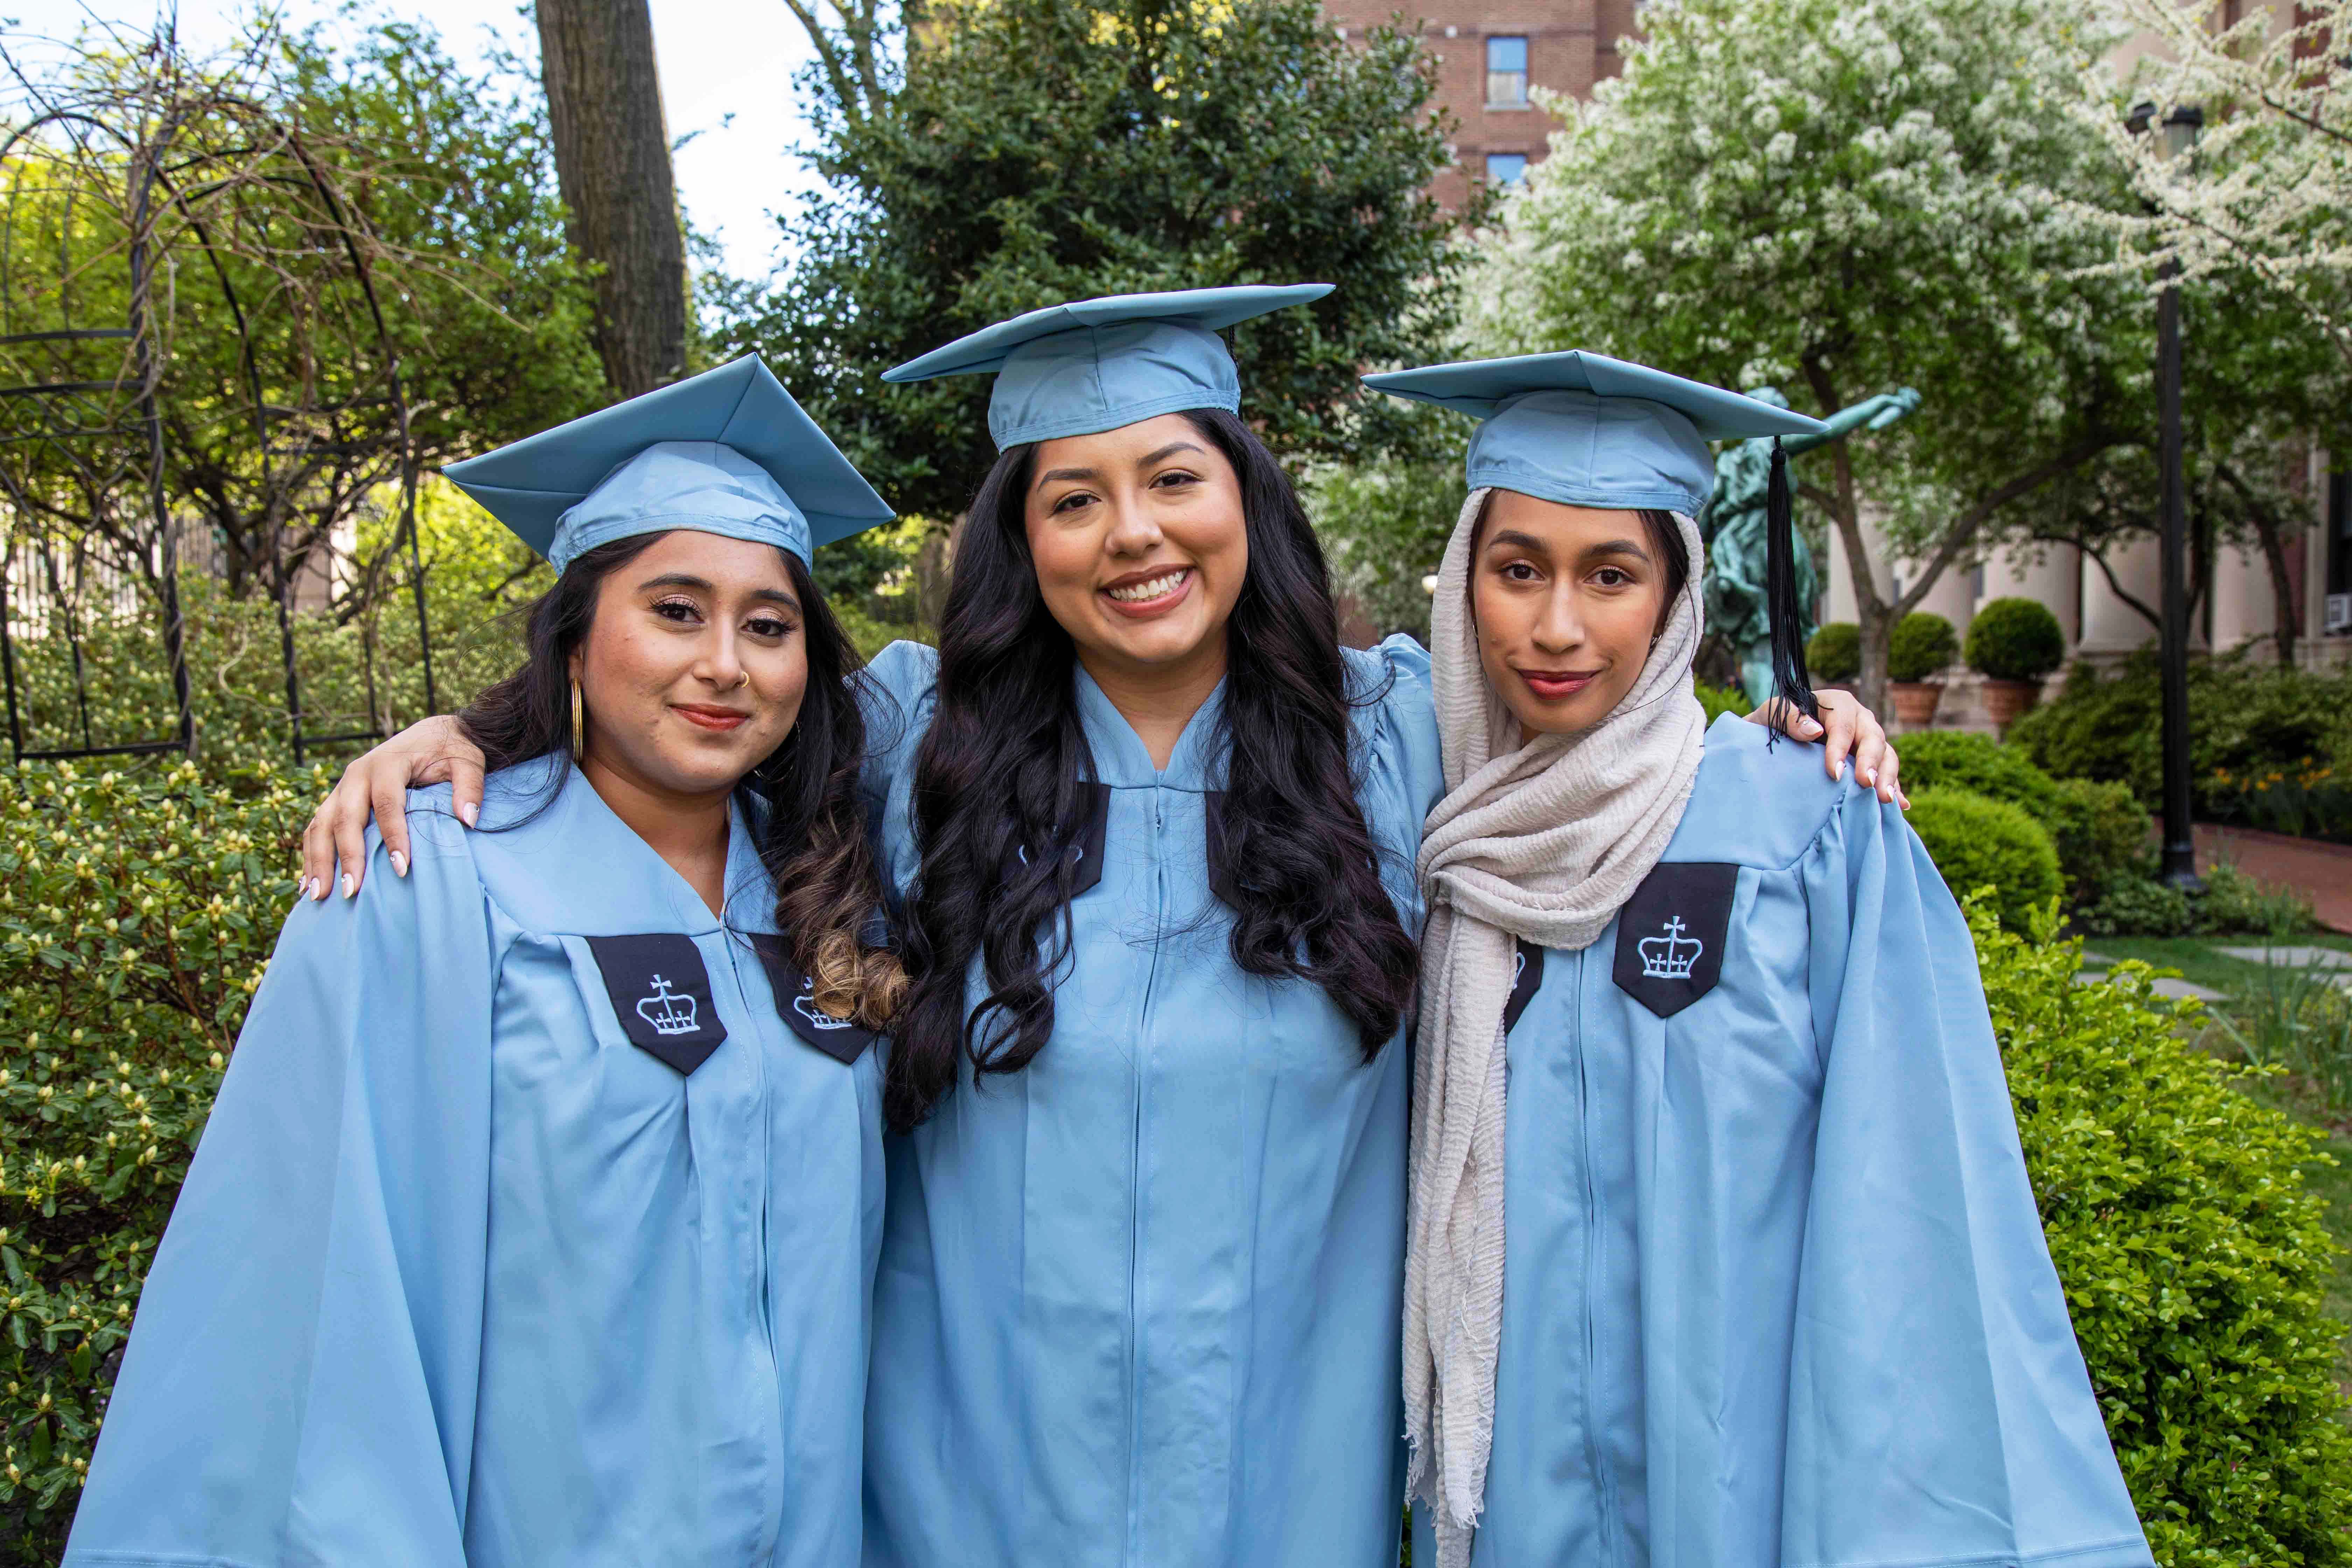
{"x": 742, "y": 679}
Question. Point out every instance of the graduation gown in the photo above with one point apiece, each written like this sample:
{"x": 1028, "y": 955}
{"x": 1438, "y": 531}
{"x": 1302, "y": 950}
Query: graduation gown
{"x": 1775, "y": 1290}
{"x": 469, "y": 1267}
{"x": 1140, "y": 1302}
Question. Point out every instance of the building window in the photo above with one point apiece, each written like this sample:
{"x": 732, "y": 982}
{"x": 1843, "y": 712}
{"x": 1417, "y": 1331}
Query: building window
{"x": 1506, "y": 73}
{"x": 1506, "y": 168}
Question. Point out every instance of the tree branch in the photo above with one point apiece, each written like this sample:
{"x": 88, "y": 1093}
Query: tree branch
{"x": 2100, "y": 561}
{"x": 1964, "y": 530}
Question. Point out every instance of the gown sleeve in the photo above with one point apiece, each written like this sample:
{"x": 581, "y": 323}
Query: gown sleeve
{"x": 1938, "y": 1408}
{"x": 898, "y": 692}
{"x": 299, "y": 1383}
{"x": 1402, "y": 775}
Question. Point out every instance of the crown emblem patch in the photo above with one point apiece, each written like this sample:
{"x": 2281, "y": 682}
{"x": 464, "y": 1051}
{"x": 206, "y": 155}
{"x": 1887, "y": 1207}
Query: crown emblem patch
{"x": 843, "y": 1039}
{"x": 661, "y": 995}
{"x": 668, "y": 1013}
{"x": 1670, "y": 954}
{"x": 1671, "y": 934}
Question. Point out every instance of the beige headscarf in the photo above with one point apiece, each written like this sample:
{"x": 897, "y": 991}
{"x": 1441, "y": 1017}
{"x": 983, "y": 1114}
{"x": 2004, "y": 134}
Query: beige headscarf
{"x": 1543, "y": 841}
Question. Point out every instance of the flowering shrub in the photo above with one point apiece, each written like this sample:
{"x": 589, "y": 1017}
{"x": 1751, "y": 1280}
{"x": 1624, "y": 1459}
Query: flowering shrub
{"x": 136, "y": 912}
{"x": 2309, "y": 799}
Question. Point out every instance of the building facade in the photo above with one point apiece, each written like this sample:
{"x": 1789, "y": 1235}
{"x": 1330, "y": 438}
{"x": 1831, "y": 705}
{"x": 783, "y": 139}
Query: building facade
{"x": 1492, "y": 56}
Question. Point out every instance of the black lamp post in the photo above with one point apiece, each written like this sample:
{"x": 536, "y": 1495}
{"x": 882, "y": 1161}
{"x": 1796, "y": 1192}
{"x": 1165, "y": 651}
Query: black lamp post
{"x": 2181, "y": 127}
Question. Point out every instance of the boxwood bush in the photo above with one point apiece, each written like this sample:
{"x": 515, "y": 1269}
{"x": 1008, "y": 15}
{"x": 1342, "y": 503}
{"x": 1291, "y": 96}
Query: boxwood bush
{"x": 2015, "y": 639}
{"x": 1922, "y": 644}
{"x": 2193, "y": 1257}
{"x": 1834, "y": 653}
{"x": 1980, "y": 843}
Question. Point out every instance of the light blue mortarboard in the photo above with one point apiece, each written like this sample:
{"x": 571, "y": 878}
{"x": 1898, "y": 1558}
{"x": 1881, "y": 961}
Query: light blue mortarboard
{"x": 1096, "y": 364}
{"x": 1586, "y": 430}
{"x": 726, "y": 452}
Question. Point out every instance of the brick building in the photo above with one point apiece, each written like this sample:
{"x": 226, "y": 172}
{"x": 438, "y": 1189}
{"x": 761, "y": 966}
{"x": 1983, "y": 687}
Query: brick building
{"x": 1490, "y": 54}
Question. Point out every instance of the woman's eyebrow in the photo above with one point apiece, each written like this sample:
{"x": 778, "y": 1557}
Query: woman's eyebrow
{"x": 1516, "y": 540}
{"x": 704, "y": 584}
{"x": 1168, "y": 451}
{"x": 1618, "y": 547}
{"x": 1050, "y": 475}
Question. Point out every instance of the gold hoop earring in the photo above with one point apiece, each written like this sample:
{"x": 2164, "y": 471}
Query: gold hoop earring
{"x": 579, "y": 724}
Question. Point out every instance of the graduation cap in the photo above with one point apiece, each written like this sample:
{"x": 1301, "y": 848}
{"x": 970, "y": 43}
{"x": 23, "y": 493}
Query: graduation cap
{"x": 1096, "y": 364}
{"x": 1583, "y": 429}
{"x": 726, "y": 452}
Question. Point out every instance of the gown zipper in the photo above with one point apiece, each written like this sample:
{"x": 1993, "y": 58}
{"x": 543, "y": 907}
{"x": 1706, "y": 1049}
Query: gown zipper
{"x": 1606, "y": 1493}
{"x": 1135, "y": 1170}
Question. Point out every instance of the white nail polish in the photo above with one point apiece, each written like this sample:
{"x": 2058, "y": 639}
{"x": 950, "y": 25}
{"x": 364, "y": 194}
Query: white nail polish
{"x": 351, "y": 885}
{"x": 469, "y": 812}
{"x": 399, "y": 864}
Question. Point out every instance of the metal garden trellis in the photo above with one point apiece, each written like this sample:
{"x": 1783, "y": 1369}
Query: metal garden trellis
{"x": 190, "y": 170}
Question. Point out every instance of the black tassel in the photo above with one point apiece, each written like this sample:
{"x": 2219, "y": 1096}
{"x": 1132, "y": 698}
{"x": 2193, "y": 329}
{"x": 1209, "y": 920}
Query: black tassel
{"x": 1791, "y": 684}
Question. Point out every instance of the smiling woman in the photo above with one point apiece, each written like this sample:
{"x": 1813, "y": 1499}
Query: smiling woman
{"x": 553, "y": 1168}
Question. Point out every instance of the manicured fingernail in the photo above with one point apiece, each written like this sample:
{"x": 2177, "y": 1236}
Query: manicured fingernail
{"x": 1870, "y": 776}
{"x": 302, "y": 887}
{"x": 468, "y": 812}
{"x": 351, "y": 884}
{"x": 317, "y": 889}
{"x": 1837, "y": 769}
{"x": 1812, "y": 726}
{"x": 399, "y": 864}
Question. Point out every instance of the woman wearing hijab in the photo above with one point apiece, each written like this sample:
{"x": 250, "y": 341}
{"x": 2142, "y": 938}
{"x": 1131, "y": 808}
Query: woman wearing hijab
{"x": 1151, "y": 829}
{"x": 535, "y": 1220}
{"x": 1722, "y": 1253}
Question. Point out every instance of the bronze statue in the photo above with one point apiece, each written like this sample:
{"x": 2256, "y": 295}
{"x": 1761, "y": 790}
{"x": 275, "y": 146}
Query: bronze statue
{"x": 1732, "y": 523}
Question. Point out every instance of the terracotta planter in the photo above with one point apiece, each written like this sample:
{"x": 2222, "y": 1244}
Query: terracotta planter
{"x": 2005, "y": 699}
{"x": 1915, "y": 701}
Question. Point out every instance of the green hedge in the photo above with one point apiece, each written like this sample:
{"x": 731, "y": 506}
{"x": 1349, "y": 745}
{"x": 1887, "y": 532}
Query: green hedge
{"x": 1980, "y": 843}
{"x": 2194, "y": 1260}
{"x": 136, "y": 912}
{"x": 2099, "y": 831}
{"x": 2245, "y": 719}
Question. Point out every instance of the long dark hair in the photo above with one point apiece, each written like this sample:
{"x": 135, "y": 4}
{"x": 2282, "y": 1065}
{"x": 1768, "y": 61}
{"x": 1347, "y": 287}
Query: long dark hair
{"x": 803, "y": 794}
{"x": 1002, "y": 766}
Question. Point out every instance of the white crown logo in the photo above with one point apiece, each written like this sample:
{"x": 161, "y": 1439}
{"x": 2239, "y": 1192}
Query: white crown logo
{"x": 1670, "y": 956}
{"x": 668, "y": 1013}
{"x": 805, "y": 1005}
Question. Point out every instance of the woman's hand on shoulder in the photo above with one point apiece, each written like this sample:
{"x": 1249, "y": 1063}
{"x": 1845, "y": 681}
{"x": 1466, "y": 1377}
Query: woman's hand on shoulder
{"x": 429, "y": 752}
{"x": 1846, "y": 728}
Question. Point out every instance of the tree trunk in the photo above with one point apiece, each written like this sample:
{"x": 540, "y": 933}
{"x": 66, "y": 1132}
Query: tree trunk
{"x": 620, "y": 198}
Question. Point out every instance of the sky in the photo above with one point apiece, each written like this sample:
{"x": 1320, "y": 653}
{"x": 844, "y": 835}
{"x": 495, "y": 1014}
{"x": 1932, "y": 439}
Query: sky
{"x": 727, "y": 72}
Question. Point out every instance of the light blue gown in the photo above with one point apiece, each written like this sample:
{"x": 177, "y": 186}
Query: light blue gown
{"x": 463, "y": 1274}
{"x": 1775, "y": 1292}
{"x": 1139, "y": 1303}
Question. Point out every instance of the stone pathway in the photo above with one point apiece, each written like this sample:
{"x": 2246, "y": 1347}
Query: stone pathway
{"x": 2292, "y": 957}
{"x": 2096, "y": 965}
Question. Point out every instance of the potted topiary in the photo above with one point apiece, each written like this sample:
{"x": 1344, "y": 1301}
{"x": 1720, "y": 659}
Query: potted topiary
{"x": 1833, "y": 654}
{"x": 2013, "y": 643}
{"x": 1923, "y": 647}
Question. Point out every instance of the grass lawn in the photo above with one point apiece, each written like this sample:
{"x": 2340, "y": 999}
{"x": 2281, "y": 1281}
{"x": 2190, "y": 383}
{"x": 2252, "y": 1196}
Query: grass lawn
{"x": 2198, "y": 958}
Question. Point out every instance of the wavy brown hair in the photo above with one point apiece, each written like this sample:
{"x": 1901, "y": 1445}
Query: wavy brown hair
{"x": 803, "y": 794}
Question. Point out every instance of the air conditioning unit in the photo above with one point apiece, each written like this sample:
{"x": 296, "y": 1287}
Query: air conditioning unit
{"x": 2339, "y": 613}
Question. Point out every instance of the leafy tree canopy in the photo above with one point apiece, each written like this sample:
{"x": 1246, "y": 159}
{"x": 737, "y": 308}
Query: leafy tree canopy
{"x": 1841, "y": 197}
{"x": 1031, "y": 152}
